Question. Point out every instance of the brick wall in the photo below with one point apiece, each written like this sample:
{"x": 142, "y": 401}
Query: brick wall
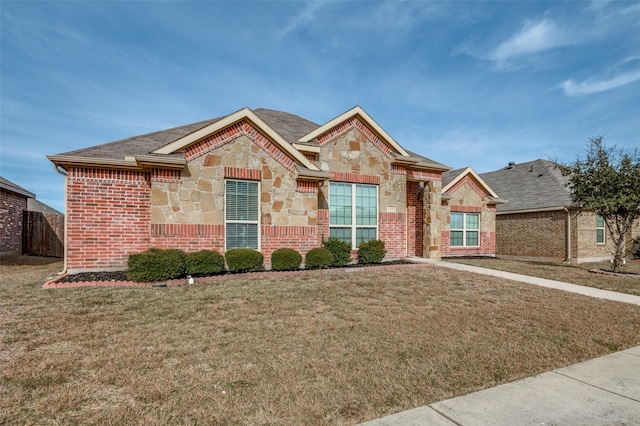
{"x": 540, "y": 235}
{"x": 584, "y": 245}
{"x": 393, "y": 231}
{"x": 108, "y": 214}
{"x": 12, "y": 206}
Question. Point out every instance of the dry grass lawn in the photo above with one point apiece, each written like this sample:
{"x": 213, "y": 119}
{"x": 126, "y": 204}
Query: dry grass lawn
{"x": 337, "y": 347}
{"x": 570, "y": 273}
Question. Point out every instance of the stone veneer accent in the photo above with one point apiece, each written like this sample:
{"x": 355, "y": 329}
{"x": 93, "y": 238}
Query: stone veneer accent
{"x": 199, "y": 199}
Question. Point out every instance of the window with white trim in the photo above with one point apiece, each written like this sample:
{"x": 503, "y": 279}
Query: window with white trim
{"x": 599, "y": 230}
{"x": 353, "y": 212}
{"x": 464, "y": 230}
{"x": 242, "y": 213}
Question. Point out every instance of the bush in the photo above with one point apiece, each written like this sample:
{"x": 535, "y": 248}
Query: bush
{"x": 156, "y": 265}
{"x": 285, "y": 259}
{"x": 635, "y": 248}
{"x": 244, "y": 260}
{"x": 371, "y": 251}
{"x": 340, "y": 250}
{"x": 204, "y": 262}
{"x": 318, "y": 258}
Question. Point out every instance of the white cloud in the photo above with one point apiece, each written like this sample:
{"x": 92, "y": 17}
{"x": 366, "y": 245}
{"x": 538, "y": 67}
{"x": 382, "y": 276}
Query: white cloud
{"x": 305, "y": 18}
{"x": 572, "y": 88}
{"x": 532, "y": 38}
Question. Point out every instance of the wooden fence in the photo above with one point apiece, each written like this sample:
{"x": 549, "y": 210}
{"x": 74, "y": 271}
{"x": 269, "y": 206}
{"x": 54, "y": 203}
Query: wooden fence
{"x": 43, "y": 234}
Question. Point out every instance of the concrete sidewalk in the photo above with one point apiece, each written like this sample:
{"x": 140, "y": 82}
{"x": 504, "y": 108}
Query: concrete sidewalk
{"x": 558, "y": 285}
{"x": 601, "y": 391}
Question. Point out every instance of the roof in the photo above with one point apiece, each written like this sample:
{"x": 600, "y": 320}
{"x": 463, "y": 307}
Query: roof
{"x": 537, "y": 185}
{"x": 292, "y": 133}
{"x": 6, "y": 184}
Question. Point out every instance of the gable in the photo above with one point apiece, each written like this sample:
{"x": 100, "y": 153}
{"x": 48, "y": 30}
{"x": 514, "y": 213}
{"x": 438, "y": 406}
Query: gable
{"x": 358, "y": 118}
{"x": 227, "y": 128}
{"x": 470, "y": 178}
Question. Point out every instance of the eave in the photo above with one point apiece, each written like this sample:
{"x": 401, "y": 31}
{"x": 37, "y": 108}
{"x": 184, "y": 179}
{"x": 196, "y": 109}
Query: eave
{"x": 137, "y": 163}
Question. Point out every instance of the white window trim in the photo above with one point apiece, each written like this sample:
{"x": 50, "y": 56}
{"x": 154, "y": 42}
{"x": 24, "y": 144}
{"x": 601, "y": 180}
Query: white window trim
{"x": 224, "y": 213}
{"x": 604, "y": 232}
{"x": 464, "y": 231}
{"x": 353, "y": 225}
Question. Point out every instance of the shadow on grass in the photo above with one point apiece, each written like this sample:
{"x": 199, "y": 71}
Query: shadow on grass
{"x": 23, "y": 260}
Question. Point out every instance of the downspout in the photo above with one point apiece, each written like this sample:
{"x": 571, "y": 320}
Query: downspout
{"x": 568, "y": 234}
{"x": 66, "y": 176}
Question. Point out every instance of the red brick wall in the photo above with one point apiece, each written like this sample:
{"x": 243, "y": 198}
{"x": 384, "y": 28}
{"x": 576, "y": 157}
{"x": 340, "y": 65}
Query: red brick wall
{"x": 300, "y": 238}
{"x": 393, "y": 231}
{"x": 487, "y": 246}
{"x": 109, "y": 215}
{"x": 12, "y": 207}
{"x": 187, "y": 237}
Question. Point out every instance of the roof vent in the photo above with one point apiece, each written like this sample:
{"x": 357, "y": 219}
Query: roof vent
{"x": 511, "y": 165}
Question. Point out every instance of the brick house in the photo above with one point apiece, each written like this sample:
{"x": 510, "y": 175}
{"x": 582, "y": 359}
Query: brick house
{"x": 259, "y": 178}
{"x": 13, "y": 204}
{"x": 469, "y": 210}
{"x": 539, "y": 222}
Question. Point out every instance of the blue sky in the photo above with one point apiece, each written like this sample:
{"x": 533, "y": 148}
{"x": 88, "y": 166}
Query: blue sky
{"x": 465, "y": 83}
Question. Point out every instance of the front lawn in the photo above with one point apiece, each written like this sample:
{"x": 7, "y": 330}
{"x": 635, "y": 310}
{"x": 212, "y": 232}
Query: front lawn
{"x": 333, "y": 347}
{"x": 571, "y": 273}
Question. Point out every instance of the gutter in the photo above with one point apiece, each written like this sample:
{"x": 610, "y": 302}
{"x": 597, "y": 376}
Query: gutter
{"x": 66, "y": 175}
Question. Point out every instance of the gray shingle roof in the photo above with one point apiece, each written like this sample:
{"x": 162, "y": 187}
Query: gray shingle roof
{"x": 10, "y": 186}
{"x": 451, "y": 175}
{"x": 291, "y": 127}
{"x": 139, "y": 145}
{"x": 536, "y": 185}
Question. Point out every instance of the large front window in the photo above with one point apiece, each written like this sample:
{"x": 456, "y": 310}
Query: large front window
{"x": 353, "y": 212}
{"x": 465, "y": 230}
{"x": 241, "y": 214}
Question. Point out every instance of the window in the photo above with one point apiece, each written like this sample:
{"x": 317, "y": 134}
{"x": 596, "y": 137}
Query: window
{"x": 465, "y": 230}
{"x": 353, "y": 212}
{"x": 241, "y": 214}
{"x": 599, "y": 230}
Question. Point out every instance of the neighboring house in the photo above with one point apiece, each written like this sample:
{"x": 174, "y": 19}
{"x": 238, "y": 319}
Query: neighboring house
{"x": 13, "y": 204}
{"x": 28, "y": 226}
{"x": 469, "y": 209}
{"x": 539, "y": 222}
{"x": 259, "y": 178}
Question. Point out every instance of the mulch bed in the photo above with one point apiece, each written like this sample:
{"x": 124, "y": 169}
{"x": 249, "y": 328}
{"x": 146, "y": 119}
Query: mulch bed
{"x": 617, "y": 274}
{"x": 119, "y": 278}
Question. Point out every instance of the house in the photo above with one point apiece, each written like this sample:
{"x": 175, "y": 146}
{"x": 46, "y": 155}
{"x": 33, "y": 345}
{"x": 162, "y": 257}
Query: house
{"x": 261, "y": 179}
{"x": 469, "y": 212}
{"x": 13, "y": 204}
{"x": 539, "y": 221}
{"x": 28, "y": 226}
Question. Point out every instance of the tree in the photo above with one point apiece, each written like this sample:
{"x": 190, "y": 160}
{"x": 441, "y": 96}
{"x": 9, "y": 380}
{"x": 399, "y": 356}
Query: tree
{"x": 607, "y": 182}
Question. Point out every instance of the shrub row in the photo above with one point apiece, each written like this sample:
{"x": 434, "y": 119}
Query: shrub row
{"x": 164, "y": 264}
